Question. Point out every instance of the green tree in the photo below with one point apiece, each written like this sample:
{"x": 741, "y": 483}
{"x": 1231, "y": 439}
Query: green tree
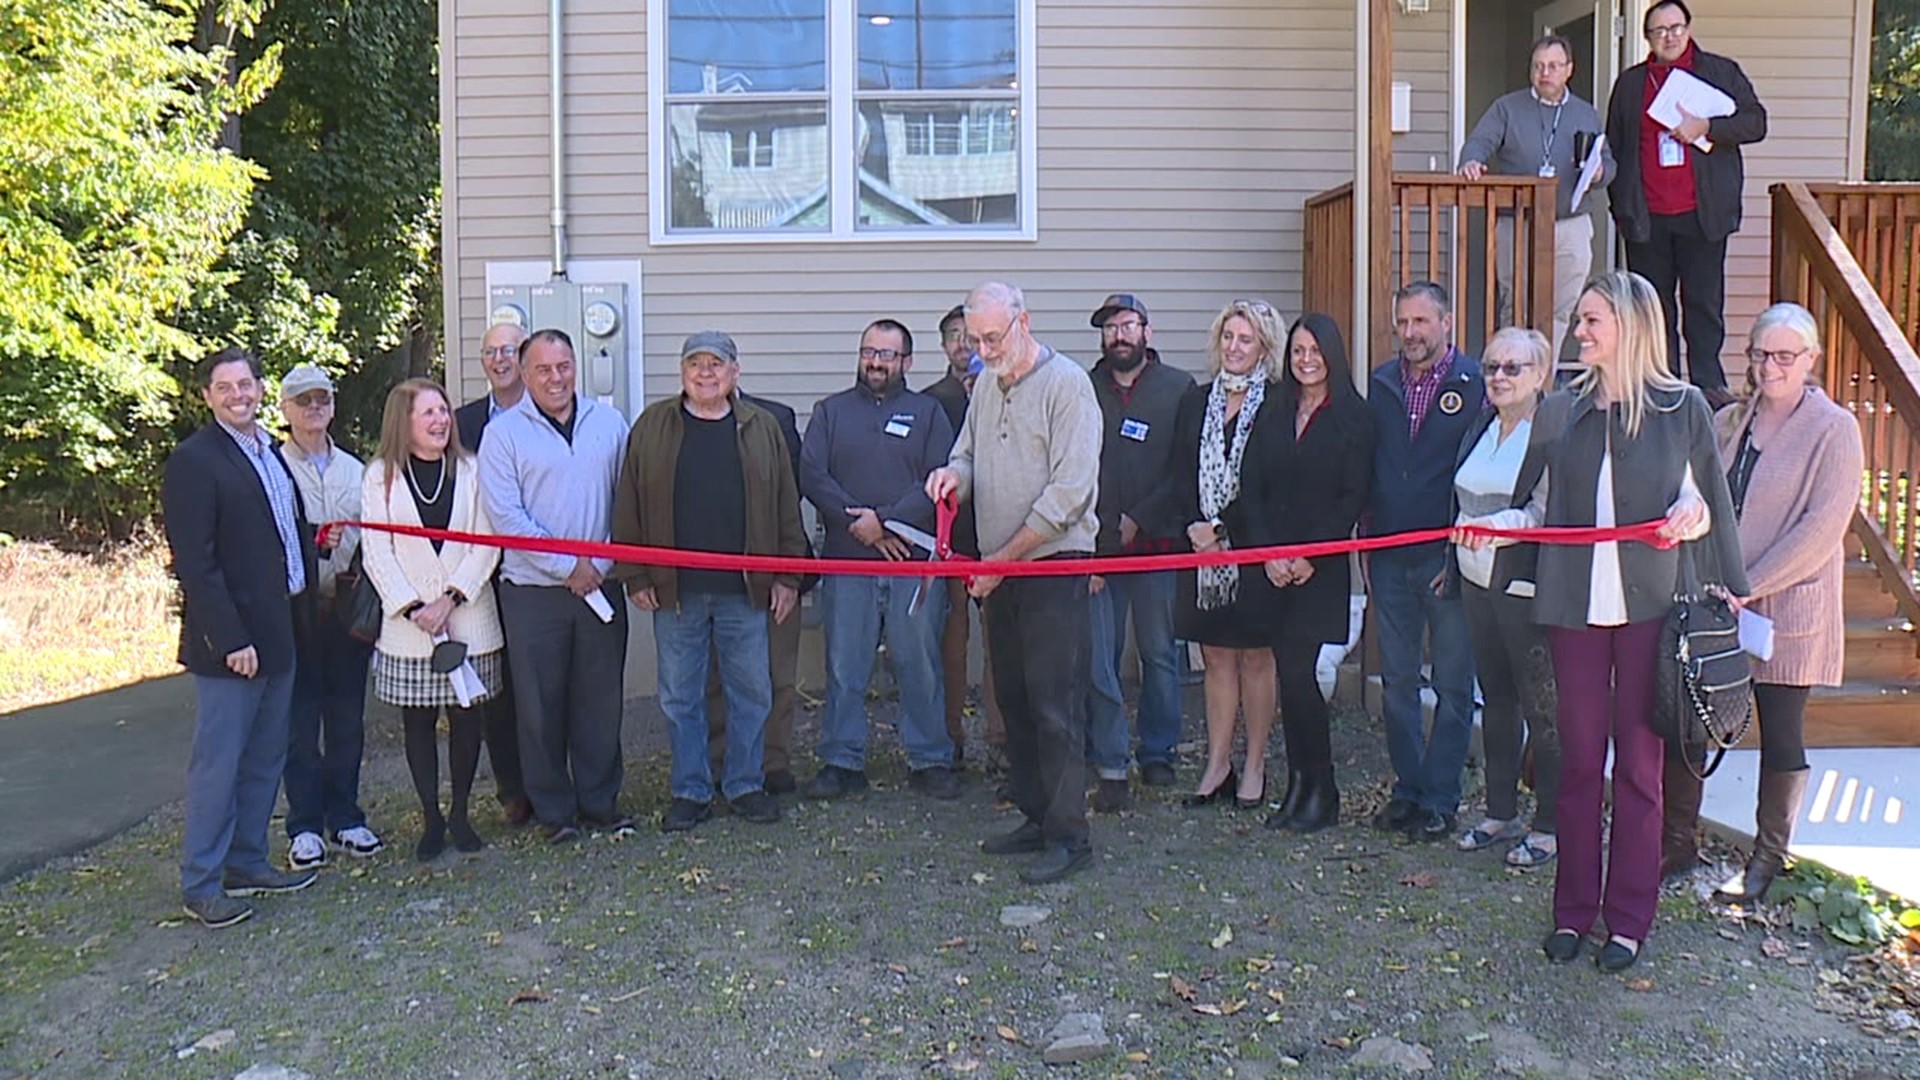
{"x": 1893, "y": 99}
{"x": 339, "y": 261}
{"x": 115, "y": 203}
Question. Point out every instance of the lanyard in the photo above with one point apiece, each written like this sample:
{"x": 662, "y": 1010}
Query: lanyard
{"x": 1546, "y": 151}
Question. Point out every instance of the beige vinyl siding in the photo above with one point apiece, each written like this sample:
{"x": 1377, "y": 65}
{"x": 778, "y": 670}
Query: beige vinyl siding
{"x": 1176, "y": 144}
{"x": 1423, "y": 58}
{"x": 1801, "y": 64}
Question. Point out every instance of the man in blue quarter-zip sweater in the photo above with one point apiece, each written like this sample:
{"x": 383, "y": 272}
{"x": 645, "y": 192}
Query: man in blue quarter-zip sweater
{"x": 1423, "y": 401}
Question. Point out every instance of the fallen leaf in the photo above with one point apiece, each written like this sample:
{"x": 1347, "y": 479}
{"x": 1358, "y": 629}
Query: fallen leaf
{"x": 530, "y": 995}
{"x": 897, "y": 969}
{"x": 954, "y": 943}
{"x": 1228, "y": 1008}
{"x": 1640, "y": 985}
{"x": 1774, "y": 949}
{"x": 1338, "y": 1042}
{"x": 1139, "y": 1057}
{"x": 1027, "y": 944}
{"x": 1425, "y": 879}
{"x": 1277, "y": 997}
{"x": 1224, "y": 938}
{"x": 1182, "y": 989}
{"x": 628, "y": 996}
{"x": 1273, "y": 1017}
{"x": 1259, "y": 965}
{"x": 1208, "y": 1008}
{"x": 695, "y": 875}
{"x": 1008, "y": 1034}
{"x": 591, "y": 1010}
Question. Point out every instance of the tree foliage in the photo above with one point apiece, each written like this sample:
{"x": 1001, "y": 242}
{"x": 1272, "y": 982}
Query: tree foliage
{"x": 1893, "y": 101}
{"x": 115, "y": 203}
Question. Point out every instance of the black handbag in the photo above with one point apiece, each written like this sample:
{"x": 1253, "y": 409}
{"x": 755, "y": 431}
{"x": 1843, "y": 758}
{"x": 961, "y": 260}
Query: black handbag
{"x": 1703, "y": 683}
{"x": 356, "y": 603}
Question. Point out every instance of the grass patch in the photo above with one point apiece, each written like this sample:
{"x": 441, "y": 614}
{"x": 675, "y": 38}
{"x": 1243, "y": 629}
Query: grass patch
{"x": 77, "y": 623}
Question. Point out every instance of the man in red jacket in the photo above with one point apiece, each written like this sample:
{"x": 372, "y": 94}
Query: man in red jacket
{"x": 1675, "y": 202}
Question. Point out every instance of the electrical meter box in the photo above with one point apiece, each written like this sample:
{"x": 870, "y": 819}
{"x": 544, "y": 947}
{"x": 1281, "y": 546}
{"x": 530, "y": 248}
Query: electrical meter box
{"x": 599, "y": 314}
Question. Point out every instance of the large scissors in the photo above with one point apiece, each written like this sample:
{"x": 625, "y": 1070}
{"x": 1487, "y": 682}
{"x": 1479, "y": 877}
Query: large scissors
{"x": 925, "y": 542}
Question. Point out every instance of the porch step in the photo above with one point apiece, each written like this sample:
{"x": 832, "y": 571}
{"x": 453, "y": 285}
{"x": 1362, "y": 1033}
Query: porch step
{"x": 1863, "y": 594}
{"x": 1882, "y": 650}
{"x": 1867, "y": 714}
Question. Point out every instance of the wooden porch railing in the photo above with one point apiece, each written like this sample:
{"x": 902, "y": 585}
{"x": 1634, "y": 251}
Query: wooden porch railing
{"x": 1881, "y": 226}
{"x": 1871, "y": 367}
{"x": 1432, "y": 238}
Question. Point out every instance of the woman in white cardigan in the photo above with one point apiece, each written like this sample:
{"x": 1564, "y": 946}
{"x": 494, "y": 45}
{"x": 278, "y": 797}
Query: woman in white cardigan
{"x": 436, "y": 597}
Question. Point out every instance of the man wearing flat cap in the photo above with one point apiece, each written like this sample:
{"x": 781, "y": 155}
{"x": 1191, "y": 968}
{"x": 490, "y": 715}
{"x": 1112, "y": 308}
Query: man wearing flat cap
{"x": 1139, "y": 512}
{"x": 706, "y": 471}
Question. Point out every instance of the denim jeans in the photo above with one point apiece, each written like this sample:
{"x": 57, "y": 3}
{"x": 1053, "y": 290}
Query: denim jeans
{"x": 328, "y": 733}
{"x": 1149, "y": 598}
{"x": 233, "y": 777}
{"x": 1106, "y": 705}
{"x": 852, "y": 611}
{"x": 729, "y": 624}
{"x": 1426, "y": 767}
{"x": 1041, "y": 669}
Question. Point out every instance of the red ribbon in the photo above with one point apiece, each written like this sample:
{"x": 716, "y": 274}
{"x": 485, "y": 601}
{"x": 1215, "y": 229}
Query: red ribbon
{"x": 950, "y": 565}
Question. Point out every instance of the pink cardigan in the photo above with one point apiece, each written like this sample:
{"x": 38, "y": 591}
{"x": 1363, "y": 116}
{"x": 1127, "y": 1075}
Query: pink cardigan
{"x": 1800, "y": 502}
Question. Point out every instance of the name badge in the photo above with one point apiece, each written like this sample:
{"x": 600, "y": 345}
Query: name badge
{"x": 1672, "y": 154}
{"x": 1546, "y": 172}
{"x": 900, "y": 426}
{"x": 1133, "y": 429}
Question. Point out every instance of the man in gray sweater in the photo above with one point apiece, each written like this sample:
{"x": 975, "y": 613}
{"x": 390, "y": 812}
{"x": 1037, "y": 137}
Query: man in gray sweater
{"x": 1543, "y": 130}
{"x": 1028, "y": 454}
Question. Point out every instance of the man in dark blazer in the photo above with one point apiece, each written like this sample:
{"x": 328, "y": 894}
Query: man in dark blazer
{"x": 1676, "y": 203}
{"x": 244, "y": 555}
{"x": 500, "y": 360}
{"x": 783, "y": 651}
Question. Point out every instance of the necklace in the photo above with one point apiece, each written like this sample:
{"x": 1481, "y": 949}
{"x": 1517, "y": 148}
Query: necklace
{"x": 439, "y": 484}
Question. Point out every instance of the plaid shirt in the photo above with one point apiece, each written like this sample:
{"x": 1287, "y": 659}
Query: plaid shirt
{"x": 1421, "y": 391}
{"x": 278, "y": 483}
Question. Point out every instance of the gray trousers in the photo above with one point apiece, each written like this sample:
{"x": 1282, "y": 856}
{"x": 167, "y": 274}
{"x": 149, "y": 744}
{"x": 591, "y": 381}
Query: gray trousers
{"x": 1521, "y": 701}
{"x": 568, "y": 671}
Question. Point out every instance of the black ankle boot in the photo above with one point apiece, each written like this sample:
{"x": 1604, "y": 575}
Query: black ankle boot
{"x": 1319, "y": 803}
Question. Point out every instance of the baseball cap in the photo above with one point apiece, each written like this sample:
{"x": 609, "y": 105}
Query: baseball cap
{"x": 710, "y": 341}
{"x": 959, "y": 312}
{"x": 303, "y": 378}
{"x": 1116, "y": 303}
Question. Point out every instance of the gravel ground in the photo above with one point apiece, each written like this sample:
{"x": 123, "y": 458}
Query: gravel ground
{"x": 866, "y": 939}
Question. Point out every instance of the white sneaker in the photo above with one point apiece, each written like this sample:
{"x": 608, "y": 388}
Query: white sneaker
{"x": 307, "y": 852}
{"x": 359, "y": 841}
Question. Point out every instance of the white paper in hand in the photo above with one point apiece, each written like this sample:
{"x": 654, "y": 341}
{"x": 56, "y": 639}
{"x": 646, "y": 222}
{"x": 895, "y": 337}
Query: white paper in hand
{"x": 1684, "y": 90}
{"x": 1756, "y": 634}
{"x": 597, "y": 600}
{"x": 1590, "y": 171}
{"x": 467, "y": 687}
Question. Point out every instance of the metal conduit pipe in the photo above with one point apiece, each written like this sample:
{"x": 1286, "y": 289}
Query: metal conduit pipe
{"x": 557, "y": 138}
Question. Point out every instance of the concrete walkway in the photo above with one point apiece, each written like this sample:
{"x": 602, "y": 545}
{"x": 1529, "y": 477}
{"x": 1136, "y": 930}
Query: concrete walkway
{"x": 75, "y": 773}
{"x": 1858, "y": 816}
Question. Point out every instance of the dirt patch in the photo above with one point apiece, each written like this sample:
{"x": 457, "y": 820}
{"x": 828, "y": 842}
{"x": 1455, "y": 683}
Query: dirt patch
{"x": 863, "y": 939}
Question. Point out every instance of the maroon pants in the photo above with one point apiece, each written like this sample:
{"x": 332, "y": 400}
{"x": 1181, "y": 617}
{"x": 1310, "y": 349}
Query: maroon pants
{"x": 1606, "y": 689}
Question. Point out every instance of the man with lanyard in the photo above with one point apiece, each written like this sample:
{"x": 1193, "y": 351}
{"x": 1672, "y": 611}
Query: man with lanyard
{"x": 1423, "y": 402}
{"x": 1139, "y": 513}
{"x": 500, "y": 360}
{"x": 1545, "y": 131}
{"x": 1677, "y": 196}
{"x": 864, "y": 465}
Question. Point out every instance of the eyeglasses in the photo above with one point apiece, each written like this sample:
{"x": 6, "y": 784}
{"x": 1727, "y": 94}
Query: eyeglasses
{"x": 1260, "y": 307}
{"x": 1122, "y": 329}
{"x": 993, "y": 341}
{"x": 1673, "y": 31}
{"x": 1550, "y": 65}
{"x": 885, "y": 356}
{"x": 1782, "y": 359}
{"x": 1512, "y": 369}
{"x": 499, "y": 351}
{"x": 314, "y": 399}
{"x": 957, "y": 333}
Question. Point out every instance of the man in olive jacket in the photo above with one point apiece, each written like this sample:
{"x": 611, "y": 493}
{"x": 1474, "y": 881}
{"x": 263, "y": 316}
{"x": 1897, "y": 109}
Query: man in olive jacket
{"x": 705, "y": 471}
{"x": 1675, "y": 202}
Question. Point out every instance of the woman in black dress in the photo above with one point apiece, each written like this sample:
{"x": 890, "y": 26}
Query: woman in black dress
{"x": 1221, "y": 427}
{"x": 1309, "y": 484}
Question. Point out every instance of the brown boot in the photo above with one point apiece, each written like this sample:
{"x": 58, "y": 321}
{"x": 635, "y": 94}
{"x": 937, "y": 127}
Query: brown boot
{"x": 1679, "y": 818}
{"x": 1780, "y": 795}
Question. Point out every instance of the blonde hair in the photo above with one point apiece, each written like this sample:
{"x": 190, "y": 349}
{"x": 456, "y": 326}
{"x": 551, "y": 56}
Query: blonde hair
{"x": 396, "y": 425}
{"x": 1267, "y": 330}
{"x": 1640, "y": 361}
{"x": 1785, "y": 315}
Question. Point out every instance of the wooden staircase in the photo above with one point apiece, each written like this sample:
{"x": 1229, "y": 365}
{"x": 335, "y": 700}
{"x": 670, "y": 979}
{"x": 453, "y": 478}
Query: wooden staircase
{"x": 1879, "y": 704}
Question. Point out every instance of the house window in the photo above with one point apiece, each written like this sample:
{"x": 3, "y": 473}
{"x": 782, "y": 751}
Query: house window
{"x": 751, "y": 148}
{"x": 810, "y": 119}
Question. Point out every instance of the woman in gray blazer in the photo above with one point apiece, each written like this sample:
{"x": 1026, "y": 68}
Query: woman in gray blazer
{"x": 1626, "y": 442}
{"x": 1793, "y": 464}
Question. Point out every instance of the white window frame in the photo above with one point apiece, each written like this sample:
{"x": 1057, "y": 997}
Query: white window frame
{"x": 842, "y": 87}
{"x": 753, "y": 146}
